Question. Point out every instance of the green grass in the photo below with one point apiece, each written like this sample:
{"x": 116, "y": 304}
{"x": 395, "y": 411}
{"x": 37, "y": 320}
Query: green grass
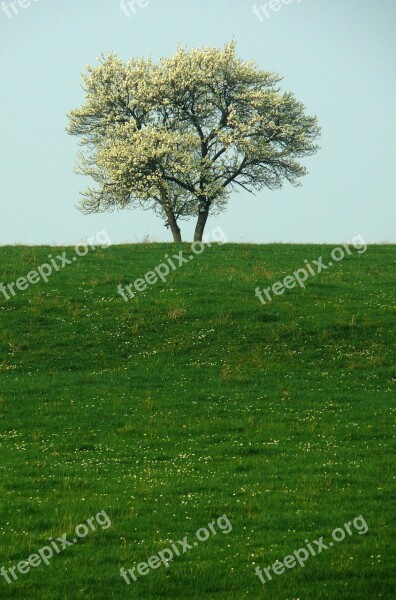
{"x": 193, "y": 401}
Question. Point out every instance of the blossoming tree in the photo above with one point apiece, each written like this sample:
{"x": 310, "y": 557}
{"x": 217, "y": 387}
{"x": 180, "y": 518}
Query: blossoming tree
{"x": 179, "y": 135}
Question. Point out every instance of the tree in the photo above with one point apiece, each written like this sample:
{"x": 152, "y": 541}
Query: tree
{"x": 180, "y": 135}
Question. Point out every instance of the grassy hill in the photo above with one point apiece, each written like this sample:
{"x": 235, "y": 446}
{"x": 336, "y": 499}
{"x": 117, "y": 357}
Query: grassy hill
{"x": 192, "y": 401}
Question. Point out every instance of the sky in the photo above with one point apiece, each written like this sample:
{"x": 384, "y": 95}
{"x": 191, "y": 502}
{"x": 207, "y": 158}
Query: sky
{"x": 337, "y": 57}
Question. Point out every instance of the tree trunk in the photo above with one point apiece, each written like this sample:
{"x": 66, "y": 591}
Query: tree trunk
{"x": 174, "y": 227}
{"x": 201, "y": 222}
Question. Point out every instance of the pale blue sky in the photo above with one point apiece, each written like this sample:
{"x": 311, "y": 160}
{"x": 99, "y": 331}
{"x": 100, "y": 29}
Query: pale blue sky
{"x": 337, "y": 56}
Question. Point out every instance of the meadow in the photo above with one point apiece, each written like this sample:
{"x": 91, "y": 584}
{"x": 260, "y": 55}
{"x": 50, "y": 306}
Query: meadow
{"x": 192, "y": 401}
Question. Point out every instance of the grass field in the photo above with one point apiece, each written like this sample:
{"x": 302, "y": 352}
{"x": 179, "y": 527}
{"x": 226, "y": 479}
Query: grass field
{"x": 193, "y": 401}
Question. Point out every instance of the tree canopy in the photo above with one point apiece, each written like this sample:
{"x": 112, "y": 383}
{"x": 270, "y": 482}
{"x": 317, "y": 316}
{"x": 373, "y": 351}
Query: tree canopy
{"x": 179, "y": 135}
